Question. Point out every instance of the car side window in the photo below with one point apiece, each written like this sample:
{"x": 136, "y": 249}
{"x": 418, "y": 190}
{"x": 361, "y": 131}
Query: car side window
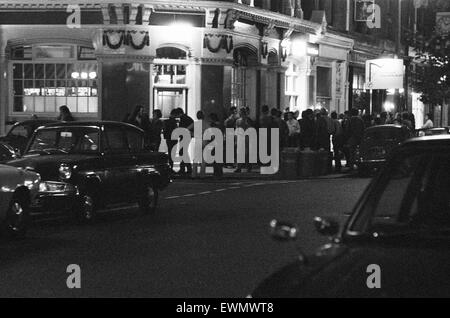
{"x": 135, "y": 140}
{"x": 20, "y": 131}
{"x": 115, "y": 141}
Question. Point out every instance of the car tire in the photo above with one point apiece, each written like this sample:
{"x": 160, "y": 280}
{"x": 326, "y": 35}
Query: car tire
{"x": 17, "y": 218}
{"x": 85, "y": 210}
{"x": 148, "y": 202}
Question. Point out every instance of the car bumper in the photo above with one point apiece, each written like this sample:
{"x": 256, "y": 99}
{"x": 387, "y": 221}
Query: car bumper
{"x": 53, "y": 203}
{"x": 376, "y": 163}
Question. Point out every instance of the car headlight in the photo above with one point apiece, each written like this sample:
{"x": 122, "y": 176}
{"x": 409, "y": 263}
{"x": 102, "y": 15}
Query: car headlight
{"x": 65, "y": 172}
{"x": 52, "y": 187}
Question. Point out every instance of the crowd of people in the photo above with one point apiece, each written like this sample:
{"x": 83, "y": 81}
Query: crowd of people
{"x": 312, "y": 130}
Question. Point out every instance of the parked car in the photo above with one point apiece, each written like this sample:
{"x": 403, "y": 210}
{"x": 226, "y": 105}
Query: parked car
{"x": 18, "y": 189}
{"x": 7, "y": 153}
{"x": 378, "y": 142}
{"x": 20, "y": 133}
{"x": 433, "y": 132}
{"x": 92, "y": 165}
{"x": 401, "y": 225}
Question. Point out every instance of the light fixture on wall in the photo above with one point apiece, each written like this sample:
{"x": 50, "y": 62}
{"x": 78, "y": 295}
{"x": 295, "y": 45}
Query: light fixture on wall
{"x": 75, "y": 75}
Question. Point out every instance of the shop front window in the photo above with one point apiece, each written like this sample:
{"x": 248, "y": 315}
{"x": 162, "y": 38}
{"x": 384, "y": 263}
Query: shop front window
{"x": 45, "y": 77}
{"x": 43, "y": 87}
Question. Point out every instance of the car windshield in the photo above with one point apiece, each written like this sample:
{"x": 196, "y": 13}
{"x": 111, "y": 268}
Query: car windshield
{"x": 69, "y": 140}
{"x": 412, "y": 197}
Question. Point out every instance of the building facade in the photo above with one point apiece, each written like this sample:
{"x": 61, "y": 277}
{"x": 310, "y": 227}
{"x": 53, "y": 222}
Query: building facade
{"x": 102, "y": 58}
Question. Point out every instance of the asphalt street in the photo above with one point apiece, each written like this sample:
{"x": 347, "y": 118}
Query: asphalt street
{"x": 208, "y": 239}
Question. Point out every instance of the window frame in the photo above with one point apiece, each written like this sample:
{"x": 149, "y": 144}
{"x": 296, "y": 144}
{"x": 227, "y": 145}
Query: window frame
{"x": 66, "y": 61}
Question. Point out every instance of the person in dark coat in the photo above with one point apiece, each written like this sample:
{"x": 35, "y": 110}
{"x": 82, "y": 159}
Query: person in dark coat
{"x": 356, "y": 133}
{"x": 308, "y": 128}
{"x": 184, "y": 122}
{"x": 216, "y": 123}
{"x": 282, "y": 126}
{"x": 322, "y": 136}
{"x": 156, "y": 128}
{"x": 169, "y": 126}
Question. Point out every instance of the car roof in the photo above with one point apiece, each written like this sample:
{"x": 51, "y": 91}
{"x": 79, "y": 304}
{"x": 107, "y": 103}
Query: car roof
{"x": 35, "y": 122}
{"x": 428, "y": 141}
{"x": 90, "y": 124}
{"x": 384, "y": 127}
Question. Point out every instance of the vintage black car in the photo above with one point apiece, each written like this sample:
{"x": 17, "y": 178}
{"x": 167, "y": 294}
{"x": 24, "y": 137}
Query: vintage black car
{"x": 400, "y": 229}
{"x": 87, "y": 166}
{"x": 7, "y": 153}
{"x": 433, "y": 132}
{"x": 20, "y": 133}
{"x": 378, "y": 142}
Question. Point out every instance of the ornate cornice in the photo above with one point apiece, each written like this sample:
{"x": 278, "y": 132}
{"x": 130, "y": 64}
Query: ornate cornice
{"x": 243, "y": 11}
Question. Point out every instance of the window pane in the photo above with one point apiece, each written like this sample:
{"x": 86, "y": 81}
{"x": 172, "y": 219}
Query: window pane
{"x": 61, "y": 71}
{"x": 18, "y": 87}
{"x": 28, "y": 71}
{"x": 39, "y": 71}
{"x": 135, "y": 140}
{"x": 18, "y": 104}
{"x": 50, "y": 71}
{"x": 18, "y": 71}
{"x": 28, "y": 104}
{"x": 116, "y": 141}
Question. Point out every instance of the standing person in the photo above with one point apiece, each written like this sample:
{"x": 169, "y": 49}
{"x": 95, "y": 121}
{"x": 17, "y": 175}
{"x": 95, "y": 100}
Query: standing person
{"x": 169, "y": 126}
{"x": 156, "y": 129}
{"x": 307, "y": 129}
{"x": 185, "y": 122}
{"x": 216, "y": 123}
{"x": 199, "y": 161}
{"x": 428, "y": 122}
{"x": 338, "y": 142}
{"x": 322, "y": 135}
{"x": 294, "y": 130}
{"x": 356, "y": 132}
{"x": 140, "y": 119}
{"x": 230, "y": 122}
{"x": 243, "y": 124}
{"x": 65, "y": 114}
{"x": 282, "y": 126}
{"x": 346, "y": 135}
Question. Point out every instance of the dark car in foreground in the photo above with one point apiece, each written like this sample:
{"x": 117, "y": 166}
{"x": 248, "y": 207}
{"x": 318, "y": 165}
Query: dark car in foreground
{"x": 86, "y": 167}
{"x": 400, "y": 226}
{"x": 18, "y": 188}
{"x": 7, "y": 153}
{"x": 378, "y": 142}
{"x": 20, "y": 133}
{"x": 433, "y": 132}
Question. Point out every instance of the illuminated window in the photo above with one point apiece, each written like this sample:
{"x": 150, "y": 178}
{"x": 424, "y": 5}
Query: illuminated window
{"x": 43, "y": 87}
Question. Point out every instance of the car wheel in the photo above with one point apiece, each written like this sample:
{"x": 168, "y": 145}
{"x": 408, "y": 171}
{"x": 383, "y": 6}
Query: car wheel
{"x": 17, "y": 217}
{"x": 149, "y": 200}
{"x": 85, "y": 210}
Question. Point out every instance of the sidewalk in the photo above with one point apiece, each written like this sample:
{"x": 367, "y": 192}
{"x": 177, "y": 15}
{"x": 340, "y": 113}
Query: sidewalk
{"x": 229, "y": 174}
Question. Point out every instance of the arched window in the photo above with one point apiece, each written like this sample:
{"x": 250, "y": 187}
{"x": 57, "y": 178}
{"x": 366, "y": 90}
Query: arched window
{"x": 172, "y": 53}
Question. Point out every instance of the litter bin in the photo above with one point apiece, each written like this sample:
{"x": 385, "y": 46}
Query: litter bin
{"x": 289, "y": 163}
{"x": 306, "y": 164}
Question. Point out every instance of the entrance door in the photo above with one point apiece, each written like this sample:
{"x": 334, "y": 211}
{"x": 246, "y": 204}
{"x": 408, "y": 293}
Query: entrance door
{"x": 167, "y": 99}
